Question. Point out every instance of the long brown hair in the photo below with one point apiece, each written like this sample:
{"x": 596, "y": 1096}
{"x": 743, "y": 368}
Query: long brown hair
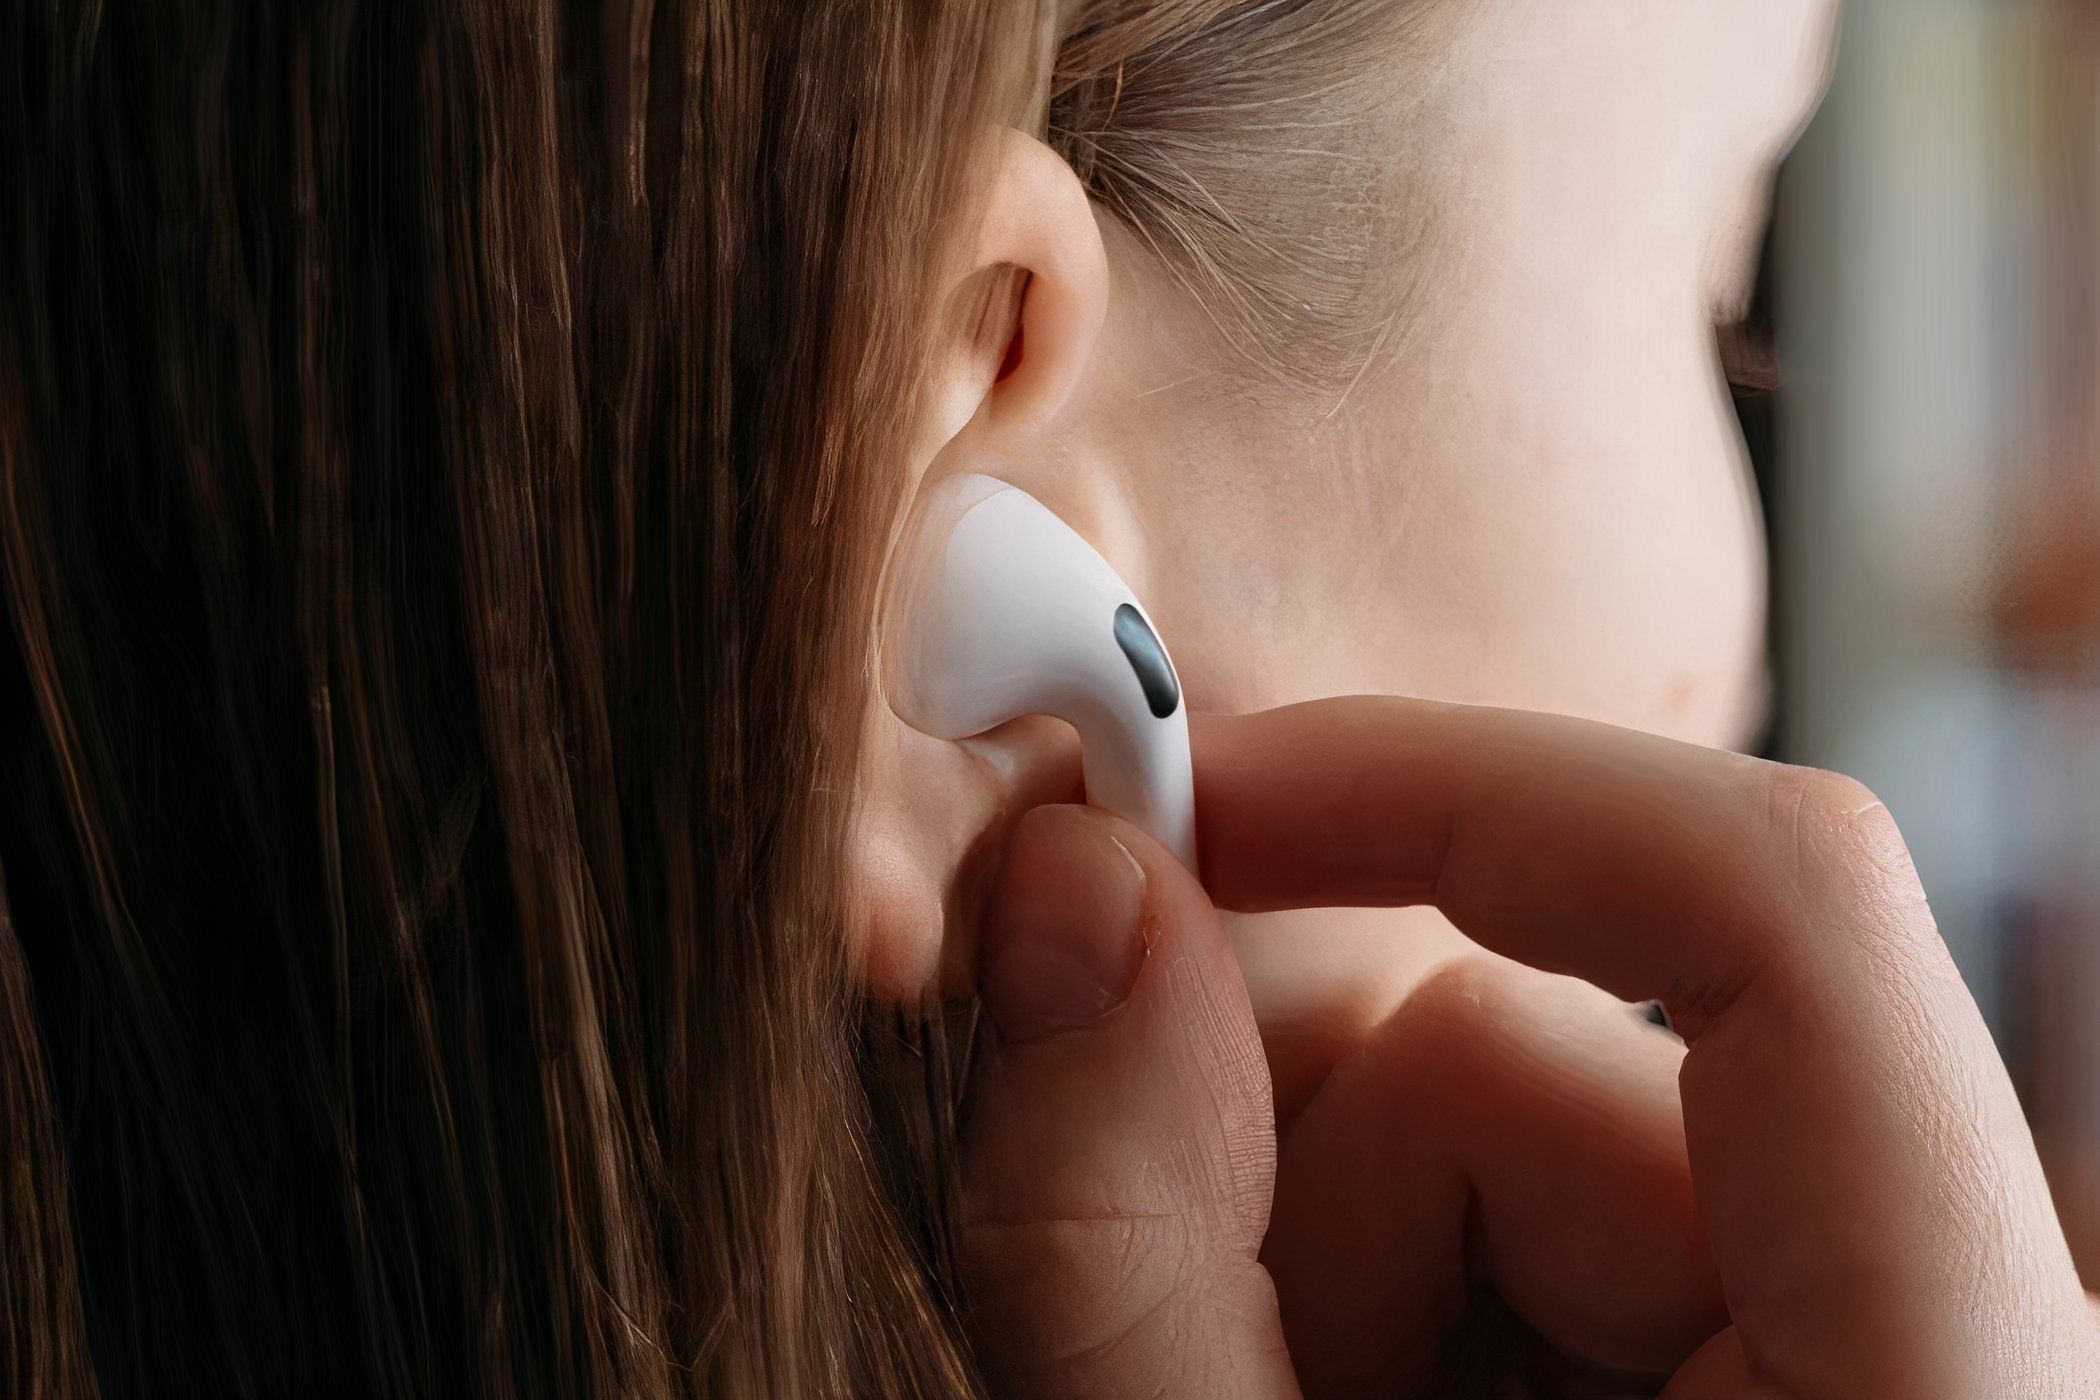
{"x": 442, "y": 448}
{"x": 435, "y": 466}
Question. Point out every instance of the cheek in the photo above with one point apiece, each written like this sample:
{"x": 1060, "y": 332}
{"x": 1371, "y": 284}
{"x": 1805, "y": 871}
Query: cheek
{"x": 1605, "y": 568}
{"x": 1670, "y": 578}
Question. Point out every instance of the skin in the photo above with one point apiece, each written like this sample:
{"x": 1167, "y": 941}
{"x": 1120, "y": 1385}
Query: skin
{"x": 1535, "y": 498}
{"x": 1872, "y": 1216}
{"x": 1542, "y": 502}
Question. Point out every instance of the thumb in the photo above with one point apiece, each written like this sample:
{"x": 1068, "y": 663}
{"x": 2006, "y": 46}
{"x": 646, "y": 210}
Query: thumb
{"x": 1120, "y": 1145}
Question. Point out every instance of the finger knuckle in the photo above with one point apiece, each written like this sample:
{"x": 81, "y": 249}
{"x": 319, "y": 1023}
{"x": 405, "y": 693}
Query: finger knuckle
{"x": 1854, "y": 886}
{"x": 1432, "y": 1050}
{"x": 1454, "y": 1002}
{"x": 1838, "y": 832}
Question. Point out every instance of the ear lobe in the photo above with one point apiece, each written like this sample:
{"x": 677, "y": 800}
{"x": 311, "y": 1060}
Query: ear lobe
{"x": 1039, "y": 226}
{"x": 929, "y": 831}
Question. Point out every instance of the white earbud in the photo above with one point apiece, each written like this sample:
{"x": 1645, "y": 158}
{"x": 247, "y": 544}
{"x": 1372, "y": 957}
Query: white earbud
{"x": 996, "y": 609}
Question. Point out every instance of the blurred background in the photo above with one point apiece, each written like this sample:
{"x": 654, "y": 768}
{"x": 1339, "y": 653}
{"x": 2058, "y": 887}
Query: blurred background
{"x": 1931, "y": 466}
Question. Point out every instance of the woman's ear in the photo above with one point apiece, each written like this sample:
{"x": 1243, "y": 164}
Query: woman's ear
{"x": 1027, "y": 306}
{"x": 1020, "y": 319}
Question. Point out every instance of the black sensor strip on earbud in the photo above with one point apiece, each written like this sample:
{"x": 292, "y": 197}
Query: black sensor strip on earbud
{"x": 1149, "y": 659}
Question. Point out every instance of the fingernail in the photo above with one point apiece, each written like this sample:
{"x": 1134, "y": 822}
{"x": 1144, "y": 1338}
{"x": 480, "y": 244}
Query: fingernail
{"x": 1062, "y": 937}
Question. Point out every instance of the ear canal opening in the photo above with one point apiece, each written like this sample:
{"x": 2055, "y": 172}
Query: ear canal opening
{"x": 1012, "y": 361}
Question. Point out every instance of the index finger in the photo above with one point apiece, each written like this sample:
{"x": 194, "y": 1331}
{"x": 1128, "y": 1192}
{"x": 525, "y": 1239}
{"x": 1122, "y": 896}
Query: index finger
{"x": 1858, "y": 1152}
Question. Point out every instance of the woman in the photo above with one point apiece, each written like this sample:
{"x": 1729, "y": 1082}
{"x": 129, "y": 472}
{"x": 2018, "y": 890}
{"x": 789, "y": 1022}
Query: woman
{"x": 472, "y": 926}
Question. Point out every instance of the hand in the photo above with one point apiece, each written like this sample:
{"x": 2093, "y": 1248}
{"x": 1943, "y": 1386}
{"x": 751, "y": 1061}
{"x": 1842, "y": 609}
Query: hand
{"x": 1874, "y": 1219}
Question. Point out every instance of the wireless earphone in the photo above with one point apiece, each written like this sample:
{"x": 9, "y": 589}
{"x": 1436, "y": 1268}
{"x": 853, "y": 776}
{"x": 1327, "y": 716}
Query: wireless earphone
{"x": 995, "y": 609}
